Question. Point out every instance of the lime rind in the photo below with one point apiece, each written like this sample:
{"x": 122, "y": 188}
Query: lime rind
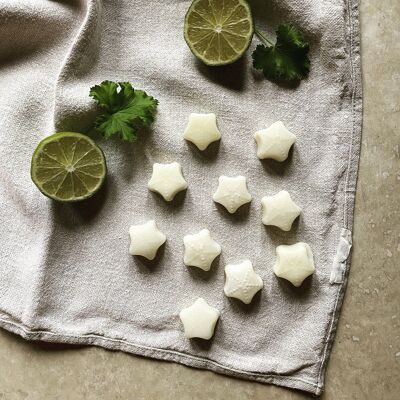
{"x": 218, "y": 32}
{"x": 68, "y": 167}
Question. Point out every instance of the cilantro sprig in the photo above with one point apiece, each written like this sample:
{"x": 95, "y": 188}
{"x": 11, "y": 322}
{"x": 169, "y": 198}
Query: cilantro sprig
{"x": 124, "y": 109}
{"x": 287, "y": 59}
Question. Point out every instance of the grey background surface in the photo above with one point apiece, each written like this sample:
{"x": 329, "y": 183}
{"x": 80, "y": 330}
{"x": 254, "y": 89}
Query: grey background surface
{"x": 364, "y": 363}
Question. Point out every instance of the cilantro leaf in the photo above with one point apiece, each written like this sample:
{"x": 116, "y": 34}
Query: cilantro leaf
{"x": 287, "y": 60}
{"x": 124, "y": 109}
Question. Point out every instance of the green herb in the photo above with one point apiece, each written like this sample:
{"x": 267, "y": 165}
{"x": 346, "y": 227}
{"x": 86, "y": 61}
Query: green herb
{"x": 287, "y": 59}
{"x": 124, "y": 109}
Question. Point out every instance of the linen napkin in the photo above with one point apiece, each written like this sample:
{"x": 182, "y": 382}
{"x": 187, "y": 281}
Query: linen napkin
{"x": 65, "y": 272}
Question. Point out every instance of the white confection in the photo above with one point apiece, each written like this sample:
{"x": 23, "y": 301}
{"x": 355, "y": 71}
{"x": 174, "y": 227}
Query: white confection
{"x": 279, "y": 210}
{"x": 202, "y": 130}
{"x": 294, "y": 263}
{"x": 274, "y": 142}
{"x": 232, "y": 192}
{"x": 200, "y": 250}
{"x": 242, "y": 282}
{"x": 167, "y": 180}
{"x": 199, "y": 320}
{"x": 146, "y": 240}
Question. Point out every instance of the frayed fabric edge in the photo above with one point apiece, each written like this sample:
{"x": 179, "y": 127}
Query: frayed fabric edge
{"x": 342, "y": 253}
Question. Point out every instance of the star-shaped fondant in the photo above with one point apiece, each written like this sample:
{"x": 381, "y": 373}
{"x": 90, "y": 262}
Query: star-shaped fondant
{"x": 200, "y": 250}
{"x": 199, "y": 320}
{"x": 167, "y": 180}
{"x": 202, "y": 130}
{"x": 294, "y": 263}
{"x": 232, "y": 192}
{"x": 279, "y": 210}
{"x": 242, "y": 282}
{"x": 146, "y": 240}
{"x": 274, "y": 142}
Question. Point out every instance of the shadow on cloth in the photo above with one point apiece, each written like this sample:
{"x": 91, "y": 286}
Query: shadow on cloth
{"x": 147, "y": 266}
{"x": 198, "y": 273}
{"x": 278, "y": 168}
{"x": 204, "y": 344}
{"x": 207, "y": 155}
{"x": 300, "y": 294}
{"x": 232, "y": 76}
{"x": 81, "y": 212}
{"x": 240, "y": 216}
{"x": 277, "y": 236}
{"x": 247, "y": 309}
{"x": 176, "y": 203}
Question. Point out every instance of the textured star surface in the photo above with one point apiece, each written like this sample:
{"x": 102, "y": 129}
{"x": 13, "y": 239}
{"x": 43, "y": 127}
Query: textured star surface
{"x": 241, "y": 281}
{"x": 294, "y": 262}
{"x": 199, "y": 320}
{"x": 232, "y": 192}
{"x": 202, "y": 130}
{"x": 146, "y": 240}
{"x": 167, "y": 180}
{"x": 274, "y": 142}
{"x": 200, "y": 250}
{"x": 280, "y": 210}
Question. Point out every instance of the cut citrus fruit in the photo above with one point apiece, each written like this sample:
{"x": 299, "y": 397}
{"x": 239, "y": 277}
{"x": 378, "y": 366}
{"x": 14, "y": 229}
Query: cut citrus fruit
{"x": 68, "y": 166}
{"x": 218, "y": 31}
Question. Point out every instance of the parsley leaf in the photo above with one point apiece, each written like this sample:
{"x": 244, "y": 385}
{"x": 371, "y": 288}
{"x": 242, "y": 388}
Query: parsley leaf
{"x": 287, "y": 60}
{"x": 124, "y": 109}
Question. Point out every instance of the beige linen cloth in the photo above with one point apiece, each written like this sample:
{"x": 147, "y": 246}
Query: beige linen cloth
{"x": 65, "y": 271}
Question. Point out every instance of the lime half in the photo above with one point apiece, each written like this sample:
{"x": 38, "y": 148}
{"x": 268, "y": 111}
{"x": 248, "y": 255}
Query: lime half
{"x": 68, "y": 166}
{"x": 218, "y": 31}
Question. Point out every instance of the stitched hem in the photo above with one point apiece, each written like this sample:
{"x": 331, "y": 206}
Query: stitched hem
{"x": 352, "y": 10}
{"x": 158, "y": 353}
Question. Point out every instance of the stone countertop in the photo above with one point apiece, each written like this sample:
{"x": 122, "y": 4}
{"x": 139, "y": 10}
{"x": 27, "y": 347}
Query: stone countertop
{"x": 365, "y": 363}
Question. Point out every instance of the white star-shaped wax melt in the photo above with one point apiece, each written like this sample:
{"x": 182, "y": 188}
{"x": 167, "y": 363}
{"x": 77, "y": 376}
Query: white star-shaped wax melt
{"x": 274, "y": 142}
{"x": 232, "y": 192}
{"x": 146, "y": 240}
{"x": 202, "y": 130}
{"x": 167, "y": 180}
{"x": 242, "y": 282}
{"x": 199, "y": 320}
{"x": 200, "y": 250}
{"x": 279, "y": 210}
{"x": 294, "y": 263}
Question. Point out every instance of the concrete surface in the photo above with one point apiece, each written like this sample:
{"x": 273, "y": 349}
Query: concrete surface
{"x": 365, "y": 363}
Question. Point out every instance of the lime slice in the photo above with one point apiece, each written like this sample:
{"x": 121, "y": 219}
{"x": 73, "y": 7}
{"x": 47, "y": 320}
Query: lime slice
{"x": 68, "y": 166}
{"x": 218, "y": 31}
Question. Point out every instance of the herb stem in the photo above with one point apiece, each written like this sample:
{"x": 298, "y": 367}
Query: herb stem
{"x": 262, "y": 37}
